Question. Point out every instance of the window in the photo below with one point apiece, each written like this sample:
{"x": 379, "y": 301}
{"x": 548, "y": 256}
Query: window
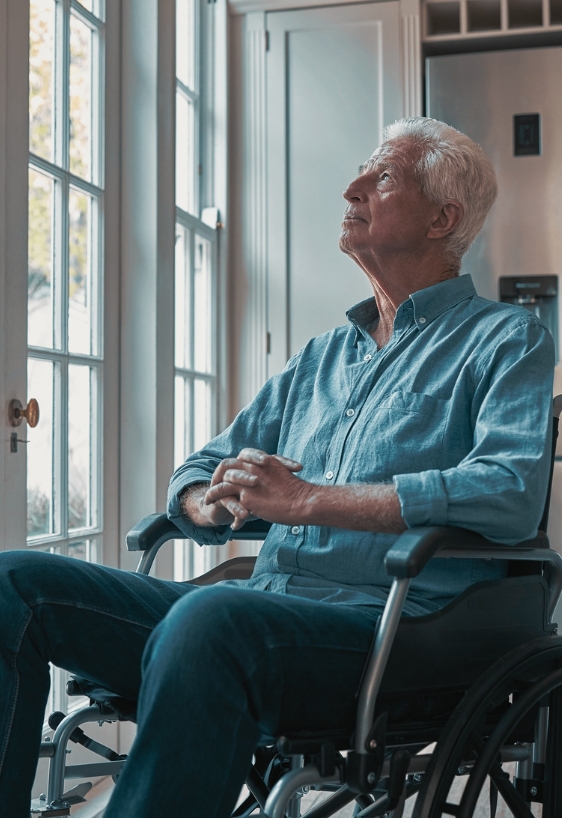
{"x": 65, "y": 281}
{"x": 195, "y": 274}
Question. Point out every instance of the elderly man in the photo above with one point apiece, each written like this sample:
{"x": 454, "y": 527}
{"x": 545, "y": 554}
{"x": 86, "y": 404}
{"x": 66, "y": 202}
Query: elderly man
{"x": 430, "y": 407}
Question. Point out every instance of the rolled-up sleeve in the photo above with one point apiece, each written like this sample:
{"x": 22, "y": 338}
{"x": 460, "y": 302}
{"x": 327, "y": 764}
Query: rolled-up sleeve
{"x": 499, "y": 488}
{"x": 257, "y": 425}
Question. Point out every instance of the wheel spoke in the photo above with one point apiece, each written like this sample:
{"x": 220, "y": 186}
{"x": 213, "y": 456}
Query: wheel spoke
{"x": 510, "y": 795}
{"x": 493, "y": 799}
{"x": 488, "y": 756}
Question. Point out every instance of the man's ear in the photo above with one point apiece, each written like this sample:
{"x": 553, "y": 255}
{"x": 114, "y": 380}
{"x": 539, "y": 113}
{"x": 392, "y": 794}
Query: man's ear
{"x": 448, "y": 218}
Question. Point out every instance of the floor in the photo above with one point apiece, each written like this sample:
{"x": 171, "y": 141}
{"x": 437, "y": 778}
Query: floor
{"x": 99, "y": 796}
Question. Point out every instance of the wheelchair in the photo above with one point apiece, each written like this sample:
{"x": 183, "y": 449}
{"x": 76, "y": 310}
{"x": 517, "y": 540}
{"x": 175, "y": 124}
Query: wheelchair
{"x": 457, "y": 709}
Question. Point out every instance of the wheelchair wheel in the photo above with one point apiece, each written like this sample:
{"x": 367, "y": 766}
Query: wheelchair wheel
{"x": 516, "y": 707}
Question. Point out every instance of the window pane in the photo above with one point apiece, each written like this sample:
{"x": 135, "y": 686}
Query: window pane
{"x": 81, "y": 436}
{"x": 88, "y": 4}
{"x": 182, "y": 297}
{"x": 182, "y": 420}
{"x": 40, "y": 260}
{"x": 41, "y": 77}
{"x": 202, "y": 414}
{"x": 185, "y": 154}
{"x": 185, "y": 42}
{"x": 202, "y": 307}
{"x": 40, "y": 449}
{"x": 87, "y": 550}
{"x": 80, "y": 98}
{"x": 79, "y": 273}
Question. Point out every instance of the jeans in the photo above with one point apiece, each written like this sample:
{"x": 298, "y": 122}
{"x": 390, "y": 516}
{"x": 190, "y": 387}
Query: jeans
{"x": 214, "y": 669}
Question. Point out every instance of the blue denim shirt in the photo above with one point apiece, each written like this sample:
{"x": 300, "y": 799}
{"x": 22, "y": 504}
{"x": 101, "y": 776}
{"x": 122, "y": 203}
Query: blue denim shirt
{"x": 455, "y": 409}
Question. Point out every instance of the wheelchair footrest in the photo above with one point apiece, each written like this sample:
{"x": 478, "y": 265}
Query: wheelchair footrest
{"x": 61, "y": 807}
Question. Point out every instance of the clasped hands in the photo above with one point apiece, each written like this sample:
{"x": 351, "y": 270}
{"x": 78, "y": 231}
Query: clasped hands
{"x": 255, "y": 484}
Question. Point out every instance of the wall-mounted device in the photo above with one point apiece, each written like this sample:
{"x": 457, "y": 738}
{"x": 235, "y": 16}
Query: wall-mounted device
{"x": 526, "y": 135}
{"x": 536, "y": 293}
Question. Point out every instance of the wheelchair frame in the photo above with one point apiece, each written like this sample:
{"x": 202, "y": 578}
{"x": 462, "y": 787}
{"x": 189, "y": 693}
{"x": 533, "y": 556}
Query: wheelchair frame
{"x": 404, "y": 561}
{"x": 534, "y": 665}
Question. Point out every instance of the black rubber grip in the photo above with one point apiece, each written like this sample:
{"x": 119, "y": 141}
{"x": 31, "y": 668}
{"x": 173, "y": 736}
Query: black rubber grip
{"x": 150, "y": 530}
{"x": 415, "y": 547}
{"x": 157, "y": 528}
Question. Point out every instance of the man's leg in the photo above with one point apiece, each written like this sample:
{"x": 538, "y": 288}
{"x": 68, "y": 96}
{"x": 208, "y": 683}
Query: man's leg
{"x": 91, "y": 620}
{"x": 225, "y": 666}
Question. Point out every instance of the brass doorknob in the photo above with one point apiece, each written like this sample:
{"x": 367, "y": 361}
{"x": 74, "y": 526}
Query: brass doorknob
{"x": 16, "y": 413}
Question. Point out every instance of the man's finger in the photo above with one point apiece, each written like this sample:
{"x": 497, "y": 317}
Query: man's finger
{"x": 240, "y": 477}
{"x": 258, "y": 458}
{"x": 255, "y": 456}
{"x": 237, "y": 510}
{"x": 220, "y": 491}
{"x": 292, "y": 465}
{"x": 227, "y": 463}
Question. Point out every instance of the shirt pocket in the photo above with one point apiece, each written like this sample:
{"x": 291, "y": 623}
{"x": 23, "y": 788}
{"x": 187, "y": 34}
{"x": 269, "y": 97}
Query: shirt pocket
{"x": 417, "y": 402}
{"x": 407, "y": 430}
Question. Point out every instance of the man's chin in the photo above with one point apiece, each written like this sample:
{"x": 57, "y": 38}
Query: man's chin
{"x": 345, "y": 244}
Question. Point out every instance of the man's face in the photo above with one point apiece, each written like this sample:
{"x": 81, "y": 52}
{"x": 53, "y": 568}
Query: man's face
{"x": 387, "y": 215}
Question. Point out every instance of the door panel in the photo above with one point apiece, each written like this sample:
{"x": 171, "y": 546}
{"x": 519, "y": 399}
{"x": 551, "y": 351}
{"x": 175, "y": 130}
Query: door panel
{"x": 14, "y": 31}
{"x": 333, "y": 82}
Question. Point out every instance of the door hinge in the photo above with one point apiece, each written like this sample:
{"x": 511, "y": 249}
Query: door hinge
{"x": 268, "y": 343}
{"x": 266, "y": 40}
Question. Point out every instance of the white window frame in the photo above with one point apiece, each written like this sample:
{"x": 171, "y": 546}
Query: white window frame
{"x": 189, "y": 559}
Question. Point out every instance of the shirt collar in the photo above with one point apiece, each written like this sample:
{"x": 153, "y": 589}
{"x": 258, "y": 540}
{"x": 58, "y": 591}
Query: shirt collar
{"x": 428, "y": 304}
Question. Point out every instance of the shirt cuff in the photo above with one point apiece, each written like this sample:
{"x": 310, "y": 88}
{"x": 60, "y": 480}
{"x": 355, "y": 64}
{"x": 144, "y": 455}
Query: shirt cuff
{"x": 423, "y": 498}
{"x": 203, "y": 535}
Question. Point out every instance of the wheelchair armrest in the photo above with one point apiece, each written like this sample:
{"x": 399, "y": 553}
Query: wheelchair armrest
{"x": 157, "y": 528}
{"x": 415, "y": 547}
{"x": 154, "y": 530}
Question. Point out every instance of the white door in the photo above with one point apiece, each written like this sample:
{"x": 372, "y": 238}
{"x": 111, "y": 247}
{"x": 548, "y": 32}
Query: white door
{"x": 59, "y": 271}
{"x": 59, "y": 222}
{"x": 333, "y": 81}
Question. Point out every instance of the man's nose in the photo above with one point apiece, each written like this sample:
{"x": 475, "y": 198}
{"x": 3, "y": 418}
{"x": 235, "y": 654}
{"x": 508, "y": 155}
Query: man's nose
{"x": 353, "y": 192}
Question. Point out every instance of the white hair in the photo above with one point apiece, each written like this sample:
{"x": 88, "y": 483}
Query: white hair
{"x": 451, "y": 166}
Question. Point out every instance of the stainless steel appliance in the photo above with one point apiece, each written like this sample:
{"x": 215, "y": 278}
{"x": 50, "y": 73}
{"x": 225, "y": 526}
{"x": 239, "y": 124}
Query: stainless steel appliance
{"x": 510, "y": 102}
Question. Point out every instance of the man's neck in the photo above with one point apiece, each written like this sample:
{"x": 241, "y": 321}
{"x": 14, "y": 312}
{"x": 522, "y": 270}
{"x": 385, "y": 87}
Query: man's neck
{"x": 392, "y": 288}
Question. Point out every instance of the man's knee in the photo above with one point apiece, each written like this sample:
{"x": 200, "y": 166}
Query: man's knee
{"x": 26, "y": 566}
{"x": 26, "y": 570}
{"x": 210, "y": 622}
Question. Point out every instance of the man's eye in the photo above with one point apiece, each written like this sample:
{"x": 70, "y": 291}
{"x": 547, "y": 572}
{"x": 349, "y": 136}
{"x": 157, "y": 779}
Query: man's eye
{"x": 385, "y": 176}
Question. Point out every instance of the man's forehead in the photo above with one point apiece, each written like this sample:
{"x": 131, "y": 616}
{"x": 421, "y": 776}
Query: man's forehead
{"x": 397, "y": 153}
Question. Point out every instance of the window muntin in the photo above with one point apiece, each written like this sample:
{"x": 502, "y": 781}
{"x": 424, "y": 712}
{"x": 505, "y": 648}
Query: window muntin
{"x": 195, "y": 388}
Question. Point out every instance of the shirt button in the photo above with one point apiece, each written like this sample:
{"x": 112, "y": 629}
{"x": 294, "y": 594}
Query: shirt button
{"x": 367, "y": 357}
{"x": 329, "y": 475}
{"x": 295, "y": 529}
{"x": 350, "y": 413}
{"x": 422, "y": 319}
